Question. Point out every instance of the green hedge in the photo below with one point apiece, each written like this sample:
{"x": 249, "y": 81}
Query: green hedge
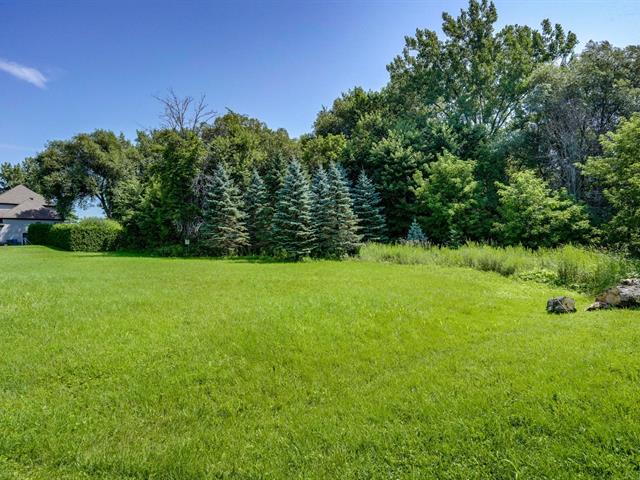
{"x": 89, "y": 235}
{"x": 38, "y": 233}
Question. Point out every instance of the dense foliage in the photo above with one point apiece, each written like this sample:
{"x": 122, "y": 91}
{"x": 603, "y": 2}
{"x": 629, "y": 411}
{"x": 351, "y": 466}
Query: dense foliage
{"x": 223, "y": 230}
{"x": 618, "y": 171}
{"x": 88, "y": 235}
{"x": 480, "y": 135}
{"x": 38, "y": 233}
{"x": 292, "y": 228}
{"x": 366, "y": 204}
{"x": 534, "y": 215}
{"x": 448, "y": 199}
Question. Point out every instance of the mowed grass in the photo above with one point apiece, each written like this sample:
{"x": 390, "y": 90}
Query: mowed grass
{"x": 116, "y": 366}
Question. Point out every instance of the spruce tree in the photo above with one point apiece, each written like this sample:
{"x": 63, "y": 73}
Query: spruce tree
{"x": 223, "y": 231}
{"x": 258, "y": 213}
{"x": 416, "y": 235}
{"x": 292, "y": 229}
{"x": 345, "y": 239}
{"x": 322, "y": 213}
{"x": 366, "y": 204}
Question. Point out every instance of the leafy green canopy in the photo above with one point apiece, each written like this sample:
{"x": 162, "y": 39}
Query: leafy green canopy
{"x": 475, "y": 76}
{"x": 448, "y": 199}
{"x": 570, "y": 107}
{"x": 12, "y": 176}
{"x": 618, "y": 171}
{"x": 170, "y": 208}
{"x": 460, "y": 92}
{"x": 88, "y": 167}
{"x": 533, "y": 215}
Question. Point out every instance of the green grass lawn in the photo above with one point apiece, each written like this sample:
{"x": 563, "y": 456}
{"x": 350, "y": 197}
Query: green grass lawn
{"x": 131, "y": 367}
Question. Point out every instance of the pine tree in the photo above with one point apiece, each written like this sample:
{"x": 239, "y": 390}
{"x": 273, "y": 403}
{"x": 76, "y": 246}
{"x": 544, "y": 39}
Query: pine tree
{"x": 223, "y": 231}
{"x": 292, "y": 229}
{"x": 259, "y": 214}
{"x": 366, "y": 204}
{"x": 322, "y": 213}
{"x": 345, "y": 239}
{"x": 416, "y": 235}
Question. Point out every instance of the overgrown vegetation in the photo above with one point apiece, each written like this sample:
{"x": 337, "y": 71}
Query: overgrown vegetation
{"x": 587, "y": 270}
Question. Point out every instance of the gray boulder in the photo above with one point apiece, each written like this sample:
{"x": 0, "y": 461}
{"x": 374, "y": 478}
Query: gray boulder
{"x": 598, "y": 306}
{"x": 624, "y": 295}
{"x": 561, "y": 305}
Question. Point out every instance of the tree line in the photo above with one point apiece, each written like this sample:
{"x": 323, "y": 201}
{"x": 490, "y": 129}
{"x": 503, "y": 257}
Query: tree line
{"x": 322, "y": 219}
{"x": 506, "y": 136}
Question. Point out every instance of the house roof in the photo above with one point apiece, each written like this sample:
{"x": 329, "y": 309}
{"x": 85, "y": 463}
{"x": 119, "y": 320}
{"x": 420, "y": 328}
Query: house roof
{"x": 28, "y": 205}
{"x": 30, "y": 210}
{"x": 20, "y": 194}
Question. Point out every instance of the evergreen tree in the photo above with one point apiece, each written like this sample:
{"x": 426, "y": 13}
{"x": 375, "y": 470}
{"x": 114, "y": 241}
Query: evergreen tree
{"x": 366, "y": 204}
{"x": 345, "y": 238}
{"x": 223, "y": 231}
{"x": 259, "y": 213}
{"x": 322, "y": 213}
{"x": 416, "y": 235}
{"x": 292, "y": 229}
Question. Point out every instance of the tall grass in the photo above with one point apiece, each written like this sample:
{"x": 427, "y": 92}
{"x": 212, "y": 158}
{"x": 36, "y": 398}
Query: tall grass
{"x": 586, "y": 270}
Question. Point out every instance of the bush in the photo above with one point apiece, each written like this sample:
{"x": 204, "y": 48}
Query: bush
{"x": 38, "y": 233}
{"x": 89, "y": 235}
{"x": 535, "y": 215}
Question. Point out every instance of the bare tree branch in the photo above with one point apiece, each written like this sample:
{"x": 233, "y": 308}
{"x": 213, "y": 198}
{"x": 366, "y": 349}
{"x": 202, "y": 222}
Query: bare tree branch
{"x": 184, "y": 114}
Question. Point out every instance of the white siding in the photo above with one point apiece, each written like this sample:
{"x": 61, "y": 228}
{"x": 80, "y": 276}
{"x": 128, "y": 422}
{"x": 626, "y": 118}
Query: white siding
{"x": 13, "y": 229}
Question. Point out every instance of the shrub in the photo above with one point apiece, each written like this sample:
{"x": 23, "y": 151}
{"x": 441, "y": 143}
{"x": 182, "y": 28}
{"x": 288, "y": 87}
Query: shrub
{"x": 534, "y": 215}
{"x": 540, "y": 275}
{"x": 416, "y": 235}
{"x": 38, "y": 233}
{"x": 88, "y": 235}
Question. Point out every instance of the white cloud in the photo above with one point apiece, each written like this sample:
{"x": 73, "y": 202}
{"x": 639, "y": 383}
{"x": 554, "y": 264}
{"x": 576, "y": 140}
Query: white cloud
{"x": 28, "y": 74}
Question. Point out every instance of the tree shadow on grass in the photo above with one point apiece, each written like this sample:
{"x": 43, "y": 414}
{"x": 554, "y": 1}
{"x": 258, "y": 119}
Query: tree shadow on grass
{"x": 143, "y": 254}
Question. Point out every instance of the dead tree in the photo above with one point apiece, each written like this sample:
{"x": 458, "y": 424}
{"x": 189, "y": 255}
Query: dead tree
{"x": 184, "y": 114}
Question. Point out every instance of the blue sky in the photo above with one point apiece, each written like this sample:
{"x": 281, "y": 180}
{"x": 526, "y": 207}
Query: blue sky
{"x": 73, "y": 66}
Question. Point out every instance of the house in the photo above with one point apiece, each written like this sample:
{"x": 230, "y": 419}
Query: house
{"x": 19, "y": 208}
